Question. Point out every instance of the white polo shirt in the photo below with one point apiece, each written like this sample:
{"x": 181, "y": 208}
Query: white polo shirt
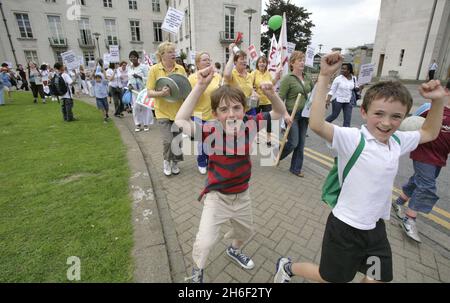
{"x": 367, "y": 191}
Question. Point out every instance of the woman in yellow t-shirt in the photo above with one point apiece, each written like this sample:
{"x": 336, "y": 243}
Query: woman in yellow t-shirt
{"x": 260, "y": 75}
{"x": 166, "y": 111}
{"x": 235, "y": 74}
{"x": 203, "y": 112}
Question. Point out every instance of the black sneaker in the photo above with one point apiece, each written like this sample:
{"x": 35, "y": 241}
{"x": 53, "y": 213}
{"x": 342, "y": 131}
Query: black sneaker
{"x": 197, "y": 276}
{"x": 237, "y": 255}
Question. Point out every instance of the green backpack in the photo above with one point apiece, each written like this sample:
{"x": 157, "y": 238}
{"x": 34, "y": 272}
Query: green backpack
{"x": 332, "y": 188}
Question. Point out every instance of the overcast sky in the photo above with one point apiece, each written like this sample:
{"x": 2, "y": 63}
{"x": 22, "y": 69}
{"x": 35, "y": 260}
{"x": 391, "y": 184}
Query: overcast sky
{"x": 341, "y": 23}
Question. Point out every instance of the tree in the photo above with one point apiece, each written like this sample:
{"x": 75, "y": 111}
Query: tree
{"x": 297, "y": 21}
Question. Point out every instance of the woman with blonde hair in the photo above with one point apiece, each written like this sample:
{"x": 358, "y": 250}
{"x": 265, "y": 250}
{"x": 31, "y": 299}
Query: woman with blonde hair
{"x": 166, "y": 111}
{"x": 294, "y": 83}
{"x": 203, "y": 112}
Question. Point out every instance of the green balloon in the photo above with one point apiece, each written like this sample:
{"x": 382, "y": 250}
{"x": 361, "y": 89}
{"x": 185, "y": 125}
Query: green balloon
{"x": 275, "y": 22}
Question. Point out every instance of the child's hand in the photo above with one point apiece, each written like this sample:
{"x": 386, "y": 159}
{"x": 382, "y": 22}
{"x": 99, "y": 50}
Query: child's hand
{"x": 433, "y": 90}
{"x": 205, "y": 76}
{"x": 330, "y": 63}
{"x": 165, "y": 91}
{"x": 267, "y": 88}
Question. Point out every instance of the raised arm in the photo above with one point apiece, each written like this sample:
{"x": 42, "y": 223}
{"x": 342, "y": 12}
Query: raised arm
{"x": 328, "y": 66}
{"x": 431, "y": 127}
{"x": 183, "y": 117}
{"x": 227, "y": 71}
{"x": 278, "y": 108}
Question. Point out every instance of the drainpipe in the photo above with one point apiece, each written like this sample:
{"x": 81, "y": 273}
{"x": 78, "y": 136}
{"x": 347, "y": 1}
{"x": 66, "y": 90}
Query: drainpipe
{"x": 9, "y": 35}
{"x": 190, "y": 25}
{"x": 426, "y": 39}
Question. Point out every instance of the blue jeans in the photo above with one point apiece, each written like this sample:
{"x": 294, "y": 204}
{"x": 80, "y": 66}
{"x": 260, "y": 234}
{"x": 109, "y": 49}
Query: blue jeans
{"x": 421, "y": 187}
{"x": 296, "y": 142}
{"x": 336, "y": 109}
{"x": 202, "y": 158}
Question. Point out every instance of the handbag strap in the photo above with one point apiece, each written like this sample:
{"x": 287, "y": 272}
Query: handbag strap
{"x": 353, "y": 158}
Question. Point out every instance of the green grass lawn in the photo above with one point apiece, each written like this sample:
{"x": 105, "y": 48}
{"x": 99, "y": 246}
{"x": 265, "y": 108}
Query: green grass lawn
{"x": 63, "y": 193}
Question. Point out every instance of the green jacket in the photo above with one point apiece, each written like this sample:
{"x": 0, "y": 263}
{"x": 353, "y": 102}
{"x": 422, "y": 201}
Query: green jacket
{"x": 291, "y": 86}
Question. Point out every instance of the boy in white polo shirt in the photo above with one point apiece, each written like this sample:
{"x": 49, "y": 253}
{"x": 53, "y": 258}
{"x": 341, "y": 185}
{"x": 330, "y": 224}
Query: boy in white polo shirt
{"x": 355, "y": 235}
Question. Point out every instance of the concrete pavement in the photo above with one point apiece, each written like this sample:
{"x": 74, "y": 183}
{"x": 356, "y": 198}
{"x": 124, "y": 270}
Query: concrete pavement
{"x": 288, "y": 214}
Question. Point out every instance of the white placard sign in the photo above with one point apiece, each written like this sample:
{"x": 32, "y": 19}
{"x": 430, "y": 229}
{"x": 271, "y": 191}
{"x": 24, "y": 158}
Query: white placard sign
{"x": 253, "y": 54}
{"x": 290, "y": 48}
{"x": 70, "y": 60}
{"x": 106, "y": 60}
{"x": 172, "y": 21}
{"x": 366, "y": 73}
{"x": 144, "y": 100}
{"x": 307, "y": 108}
{"x": 310, "y": 56}
{"x": 192, "y": 55}
{"x": 114, "y": 55}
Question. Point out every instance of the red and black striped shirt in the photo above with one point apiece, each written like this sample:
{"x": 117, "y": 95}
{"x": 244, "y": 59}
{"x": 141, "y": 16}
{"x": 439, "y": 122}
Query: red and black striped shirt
{"x": 229, "y": 165}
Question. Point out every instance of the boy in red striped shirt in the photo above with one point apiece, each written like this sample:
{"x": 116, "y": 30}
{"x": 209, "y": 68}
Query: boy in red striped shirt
{"x": 228, "y": 141}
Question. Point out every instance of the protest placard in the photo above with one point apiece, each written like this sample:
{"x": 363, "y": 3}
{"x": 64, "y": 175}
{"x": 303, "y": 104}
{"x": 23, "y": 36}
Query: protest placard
{"x": 106, "y": 60}
{"x": 309, "y": 56}
{"x": 172, "y": 21}
{"x": 290, "y": 48}
{"x": 144, "y": 100}
{"x": 70, "y": 60}
{"x": 114, "y": 56}
{"x": 365, "y": 73}
{"x": 252, "y": 53}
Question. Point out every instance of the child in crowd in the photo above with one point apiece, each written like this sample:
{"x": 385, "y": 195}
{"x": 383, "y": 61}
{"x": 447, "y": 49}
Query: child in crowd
{"x": 226, "y": 194}
{"x": 100, "y": 85}
{"x": 355, "y": 235}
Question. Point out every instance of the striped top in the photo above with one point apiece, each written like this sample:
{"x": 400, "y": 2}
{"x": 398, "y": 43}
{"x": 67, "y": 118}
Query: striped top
{"x": 229, "y": 166}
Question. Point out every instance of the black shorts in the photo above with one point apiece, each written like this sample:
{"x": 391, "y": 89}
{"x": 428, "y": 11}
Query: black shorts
{"x": 347, "y": 250}
{"x": 264, "y": 108}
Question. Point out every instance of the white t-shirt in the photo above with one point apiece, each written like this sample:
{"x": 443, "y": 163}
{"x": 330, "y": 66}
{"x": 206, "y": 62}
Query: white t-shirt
{"x": 69, "y": 82}
{"x": 116, "y": 82}
{"x": 367, "y": 191}
{"x": 341, "y": 89}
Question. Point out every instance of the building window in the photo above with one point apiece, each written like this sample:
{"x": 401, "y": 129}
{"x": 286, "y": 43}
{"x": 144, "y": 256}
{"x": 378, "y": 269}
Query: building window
{"x": 181, "y": 32}
{"x": 50, "y": 1}
{"x": 88, "y": 56}
{"x": 135, "y": 31}
{"x": 111, "y": 33}
{"x": 24, "y": 26}
{"x": 229, "y": 22}
{"x": 402, "y": 54}
{"x": 82, "y": 2}
{"x": 107, "y": 3}
{"x": 157, "y": 31}
{"x": 132, "y": 4}
{"x": 227, "y": 54}
{"x": 85, "y": 31}
{"x": 56, "y": 32}
{"x": 156, "y": 7}
{"x": 31, "y": 55}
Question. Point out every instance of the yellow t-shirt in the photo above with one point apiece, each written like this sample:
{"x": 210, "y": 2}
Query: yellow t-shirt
{"x": 258, "y": 79}
{"x": 203, "y": 108}
{"x": 244, "y": 83}
{"x": 163, "y": 108}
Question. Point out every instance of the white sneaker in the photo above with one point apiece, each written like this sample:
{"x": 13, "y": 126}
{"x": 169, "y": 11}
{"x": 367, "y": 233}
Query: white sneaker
{"x": 167, "y": 170}
{"x": 397, "y": 210}
{"x": 202, "y": 170}
{"x": 410, "y": 228}
{"x": 137, "y": 129}
{"x": 146, "y": 129}
{"x": 175, "y": 168}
